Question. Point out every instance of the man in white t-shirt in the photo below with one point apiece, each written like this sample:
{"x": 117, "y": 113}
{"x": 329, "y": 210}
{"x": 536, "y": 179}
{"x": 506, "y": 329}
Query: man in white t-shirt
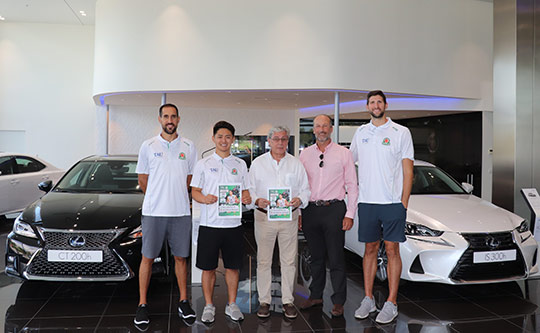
{"x": 165, "y": 166}
{"x": 384, "y": 153}
{"x": 218, "y": 233}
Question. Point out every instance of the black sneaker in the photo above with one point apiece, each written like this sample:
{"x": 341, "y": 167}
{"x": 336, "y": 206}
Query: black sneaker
{"x": 141, "y": 316}
{"x": 185, "y": 310}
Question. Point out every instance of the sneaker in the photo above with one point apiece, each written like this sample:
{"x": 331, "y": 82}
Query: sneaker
{"x": 366, "y": 307}
{"x": 208, "y": 313}
{"x": 185, "y": 310}
{"x": 264, "y": 310}
{"x": 233, "y": 311}
{"x": 289, "y": 311}
{"x": 141, "y": 316}
{"x": 388, "y": 313}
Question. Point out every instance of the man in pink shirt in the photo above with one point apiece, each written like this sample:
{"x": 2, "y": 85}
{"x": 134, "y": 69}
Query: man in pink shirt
{"x": 332, "y": 177}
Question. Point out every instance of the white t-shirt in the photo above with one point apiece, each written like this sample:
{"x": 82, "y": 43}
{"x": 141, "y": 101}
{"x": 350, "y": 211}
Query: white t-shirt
{"x": 209, "y": 173}
{"x": 266, "y": 173}
{"x": 167, "y": 165}
{"x": 379, "y": 152}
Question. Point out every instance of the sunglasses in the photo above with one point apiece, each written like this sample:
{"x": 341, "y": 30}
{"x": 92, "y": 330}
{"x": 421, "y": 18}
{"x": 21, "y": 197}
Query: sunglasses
{"x": 321, "y": 164}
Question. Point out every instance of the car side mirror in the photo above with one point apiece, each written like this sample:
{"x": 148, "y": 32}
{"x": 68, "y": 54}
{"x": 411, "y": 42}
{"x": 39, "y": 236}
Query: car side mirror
{"x": 45, "y": 186}
{"x": 467, "y": 187}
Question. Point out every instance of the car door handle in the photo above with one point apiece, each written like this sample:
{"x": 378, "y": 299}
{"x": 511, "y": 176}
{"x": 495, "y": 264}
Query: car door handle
{"x": 14, "y": 182}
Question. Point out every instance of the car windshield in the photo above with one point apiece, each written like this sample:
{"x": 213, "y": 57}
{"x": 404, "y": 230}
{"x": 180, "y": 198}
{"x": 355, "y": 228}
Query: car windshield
{"x": 432, "y": 180}
{"x": 101, "y": 176}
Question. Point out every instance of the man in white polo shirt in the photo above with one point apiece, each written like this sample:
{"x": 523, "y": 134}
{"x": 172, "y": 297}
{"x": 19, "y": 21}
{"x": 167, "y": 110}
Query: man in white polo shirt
{"x": 385, "y": 155}
{"x": 165, "y": 166}
{"x": 277, "y": 169}
{"x": 220, "y": 233}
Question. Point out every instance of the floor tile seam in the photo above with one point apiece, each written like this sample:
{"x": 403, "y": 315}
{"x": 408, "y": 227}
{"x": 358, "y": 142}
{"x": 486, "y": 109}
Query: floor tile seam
{"x": 301, "y": 314}
{"x": 523, "y": 329}
{"x": 105, "y": 309}
{"x": 170, "y": 308}
{"x": 424, "y": 309}
{"x": 43, "y": 305}
{"x": 483, "y": 308}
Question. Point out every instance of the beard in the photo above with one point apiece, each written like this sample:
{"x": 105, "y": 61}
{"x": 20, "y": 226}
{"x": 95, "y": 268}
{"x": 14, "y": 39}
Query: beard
{"x": 322, "y": 138}
{"x": 380, "y": 115}
{"x": 166, "y": 129}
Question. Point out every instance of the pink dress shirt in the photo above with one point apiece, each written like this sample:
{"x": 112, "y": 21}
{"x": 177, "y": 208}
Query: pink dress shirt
{"x": 335, "y": 179}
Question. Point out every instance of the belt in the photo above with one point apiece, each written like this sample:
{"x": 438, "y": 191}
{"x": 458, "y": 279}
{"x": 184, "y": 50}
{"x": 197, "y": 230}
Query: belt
{"x": 262, "y": 210}
{"x": 324, "y": 203}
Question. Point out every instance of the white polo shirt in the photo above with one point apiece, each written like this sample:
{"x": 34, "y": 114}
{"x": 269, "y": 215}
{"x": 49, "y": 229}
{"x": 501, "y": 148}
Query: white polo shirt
{"x": 266, "y": 172}
{"x": 379, "y": 152}
{"x": 167, "y": 165}
{"x": 209, "y": 173}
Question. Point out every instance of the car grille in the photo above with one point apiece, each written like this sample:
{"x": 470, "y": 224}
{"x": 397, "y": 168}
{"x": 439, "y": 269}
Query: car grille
{"x": 112, "y": 266}
{"x": 466, "y": 270}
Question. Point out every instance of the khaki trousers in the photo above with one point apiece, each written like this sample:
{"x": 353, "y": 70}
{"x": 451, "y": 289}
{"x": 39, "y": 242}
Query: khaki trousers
{"x": 266, "y": 233}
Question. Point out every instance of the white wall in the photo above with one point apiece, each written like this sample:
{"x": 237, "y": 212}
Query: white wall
{"x": 430, "y": 47}
{"x": 46, "y": 89}
{"x": 130, "y": 125}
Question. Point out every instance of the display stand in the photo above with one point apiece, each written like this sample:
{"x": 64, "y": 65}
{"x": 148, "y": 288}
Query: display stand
{"x": 533, "y": 202}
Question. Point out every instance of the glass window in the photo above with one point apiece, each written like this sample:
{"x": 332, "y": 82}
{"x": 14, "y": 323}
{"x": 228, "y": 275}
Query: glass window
{"x": 28, "y": 164}
{"x": 6, "y": 166}
{"x": 101, "y": 176}
{"x": 432, "y": 180}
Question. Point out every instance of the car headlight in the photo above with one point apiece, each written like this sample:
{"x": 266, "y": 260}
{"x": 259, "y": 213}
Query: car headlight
{"x": 412, "y": 229}
{"x": 22, "y": 228}
{"x": 136, "y": 233}
{"x": 523, "y": 227}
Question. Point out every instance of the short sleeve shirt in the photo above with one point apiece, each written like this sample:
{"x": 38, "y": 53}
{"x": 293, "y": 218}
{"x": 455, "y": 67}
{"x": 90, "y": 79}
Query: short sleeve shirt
{"x": 209, "y": 173}
{"x": 379, "y": 152}
{"x": 167, "y": 165}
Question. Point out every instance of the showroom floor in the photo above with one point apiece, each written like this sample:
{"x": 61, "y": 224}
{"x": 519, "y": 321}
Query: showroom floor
{"x": 101, "y": 307}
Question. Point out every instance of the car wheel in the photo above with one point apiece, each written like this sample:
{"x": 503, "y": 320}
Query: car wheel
{"x": 382, "y": 264}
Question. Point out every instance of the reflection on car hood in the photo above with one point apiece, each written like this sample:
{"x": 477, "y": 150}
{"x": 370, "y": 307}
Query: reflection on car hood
{"x": 85, "y": 211}
{"x": 460, "y": 213}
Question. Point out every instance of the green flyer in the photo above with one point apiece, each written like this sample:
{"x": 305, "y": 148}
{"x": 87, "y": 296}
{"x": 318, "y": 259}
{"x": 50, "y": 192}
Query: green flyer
{"x": 279, "y": 208}
{"x": 230, "y": 201}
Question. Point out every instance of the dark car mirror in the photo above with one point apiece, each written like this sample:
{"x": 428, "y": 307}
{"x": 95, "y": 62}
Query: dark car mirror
{"x": 45, "y": 186}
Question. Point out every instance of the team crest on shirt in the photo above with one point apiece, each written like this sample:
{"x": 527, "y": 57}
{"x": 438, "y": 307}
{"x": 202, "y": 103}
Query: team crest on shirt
{"x": 386, "y": 142}
{"x": 182, "y": 156}
{"x": 234, "y": 171}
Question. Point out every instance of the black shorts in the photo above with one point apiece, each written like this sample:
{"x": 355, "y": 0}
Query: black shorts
{"x": 211, "y": 240}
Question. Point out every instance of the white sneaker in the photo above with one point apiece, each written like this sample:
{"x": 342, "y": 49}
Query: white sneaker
{"x": 233, "y": 311}
{"x": 388, "y": 313}
{"x": 208, "y": 314}
{"x": 366, "y": 307}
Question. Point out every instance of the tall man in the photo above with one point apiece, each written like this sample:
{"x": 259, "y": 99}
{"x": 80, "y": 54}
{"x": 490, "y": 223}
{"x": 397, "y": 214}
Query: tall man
{"x": 220, "y": 234}
{"x": 332, "y": 177}
{"x": 277, "y": 169}
{"x": 384, "y": 152}
{"x": 165, "y": 167}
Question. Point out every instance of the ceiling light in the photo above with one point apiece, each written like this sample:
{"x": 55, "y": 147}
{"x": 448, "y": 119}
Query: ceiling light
{"x": 2, "y": 18}
{"x": 82, "y": 12}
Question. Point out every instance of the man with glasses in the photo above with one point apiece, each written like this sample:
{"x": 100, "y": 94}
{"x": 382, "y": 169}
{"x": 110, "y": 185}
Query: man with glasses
{"x": 277, "y": 169}
{"x": 332, "y": 177}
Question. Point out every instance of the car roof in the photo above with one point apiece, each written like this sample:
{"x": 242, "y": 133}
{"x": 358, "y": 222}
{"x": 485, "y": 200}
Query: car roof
{"x": 111, "y": 158}
{"x": 422, "y": 163}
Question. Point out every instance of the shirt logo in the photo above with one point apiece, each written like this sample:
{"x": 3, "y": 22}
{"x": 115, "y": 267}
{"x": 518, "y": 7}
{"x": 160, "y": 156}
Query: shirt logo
{"x": 365, "y": 140}
{"x": 213, "y": 169}
{"x": 234, "y": 171}
{"x": 182, "y": 156}
{"x": 386, "y": 142}
{"x": 158, "y": 154}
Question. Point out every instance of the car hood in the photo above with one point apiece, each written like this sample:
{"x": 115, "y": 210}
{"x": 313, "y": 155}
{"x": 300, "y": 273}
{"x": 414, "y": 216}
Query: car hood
{"x": 85, "y": 211}
{"x": 460, "y": 213}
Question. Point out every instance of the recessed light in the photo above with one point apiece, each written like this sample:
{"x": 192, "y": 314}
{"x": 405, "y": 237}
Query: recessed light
{"x": 2, "y": 18}
{"x": 82, "y": 12}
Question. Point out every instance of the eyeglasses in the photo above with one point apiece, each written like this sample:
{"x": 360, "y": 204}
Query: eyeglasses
{"x": 321, "y": 164}
{"x": 280, "y": 139}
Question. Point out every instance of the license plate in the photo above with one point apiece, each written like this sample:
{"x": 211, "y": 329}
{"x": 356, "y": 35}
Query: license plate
{"x": 494, "y": 256}
{"x": 74, "y": 256}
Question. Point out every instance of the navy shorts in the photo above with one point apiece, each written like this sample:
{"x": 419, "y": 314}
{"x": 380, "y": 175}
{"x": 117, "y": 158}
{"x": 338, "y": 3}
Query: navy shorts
{"x": 386, "y": 221}
{"x": 228, "y": 241}
{"x": 176, "y": 230}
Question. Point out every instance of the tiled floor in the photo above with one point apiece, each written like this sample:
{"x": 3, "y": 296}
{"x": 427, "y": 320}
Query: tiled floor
{"x": 109, "y": 307}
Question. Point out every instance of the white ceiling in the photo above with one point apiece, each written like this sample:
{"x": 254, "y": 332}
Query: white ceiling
{"x": 48, "y": 11}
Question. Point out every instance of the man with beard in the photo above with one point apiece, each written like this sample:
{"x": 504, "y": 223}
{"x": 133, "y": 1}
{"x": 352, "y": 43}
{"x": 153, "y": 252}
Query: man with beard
{"x": 332, "y": 177}
{"x": 165, "y": 167}
{"x": 384, "y": 152}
